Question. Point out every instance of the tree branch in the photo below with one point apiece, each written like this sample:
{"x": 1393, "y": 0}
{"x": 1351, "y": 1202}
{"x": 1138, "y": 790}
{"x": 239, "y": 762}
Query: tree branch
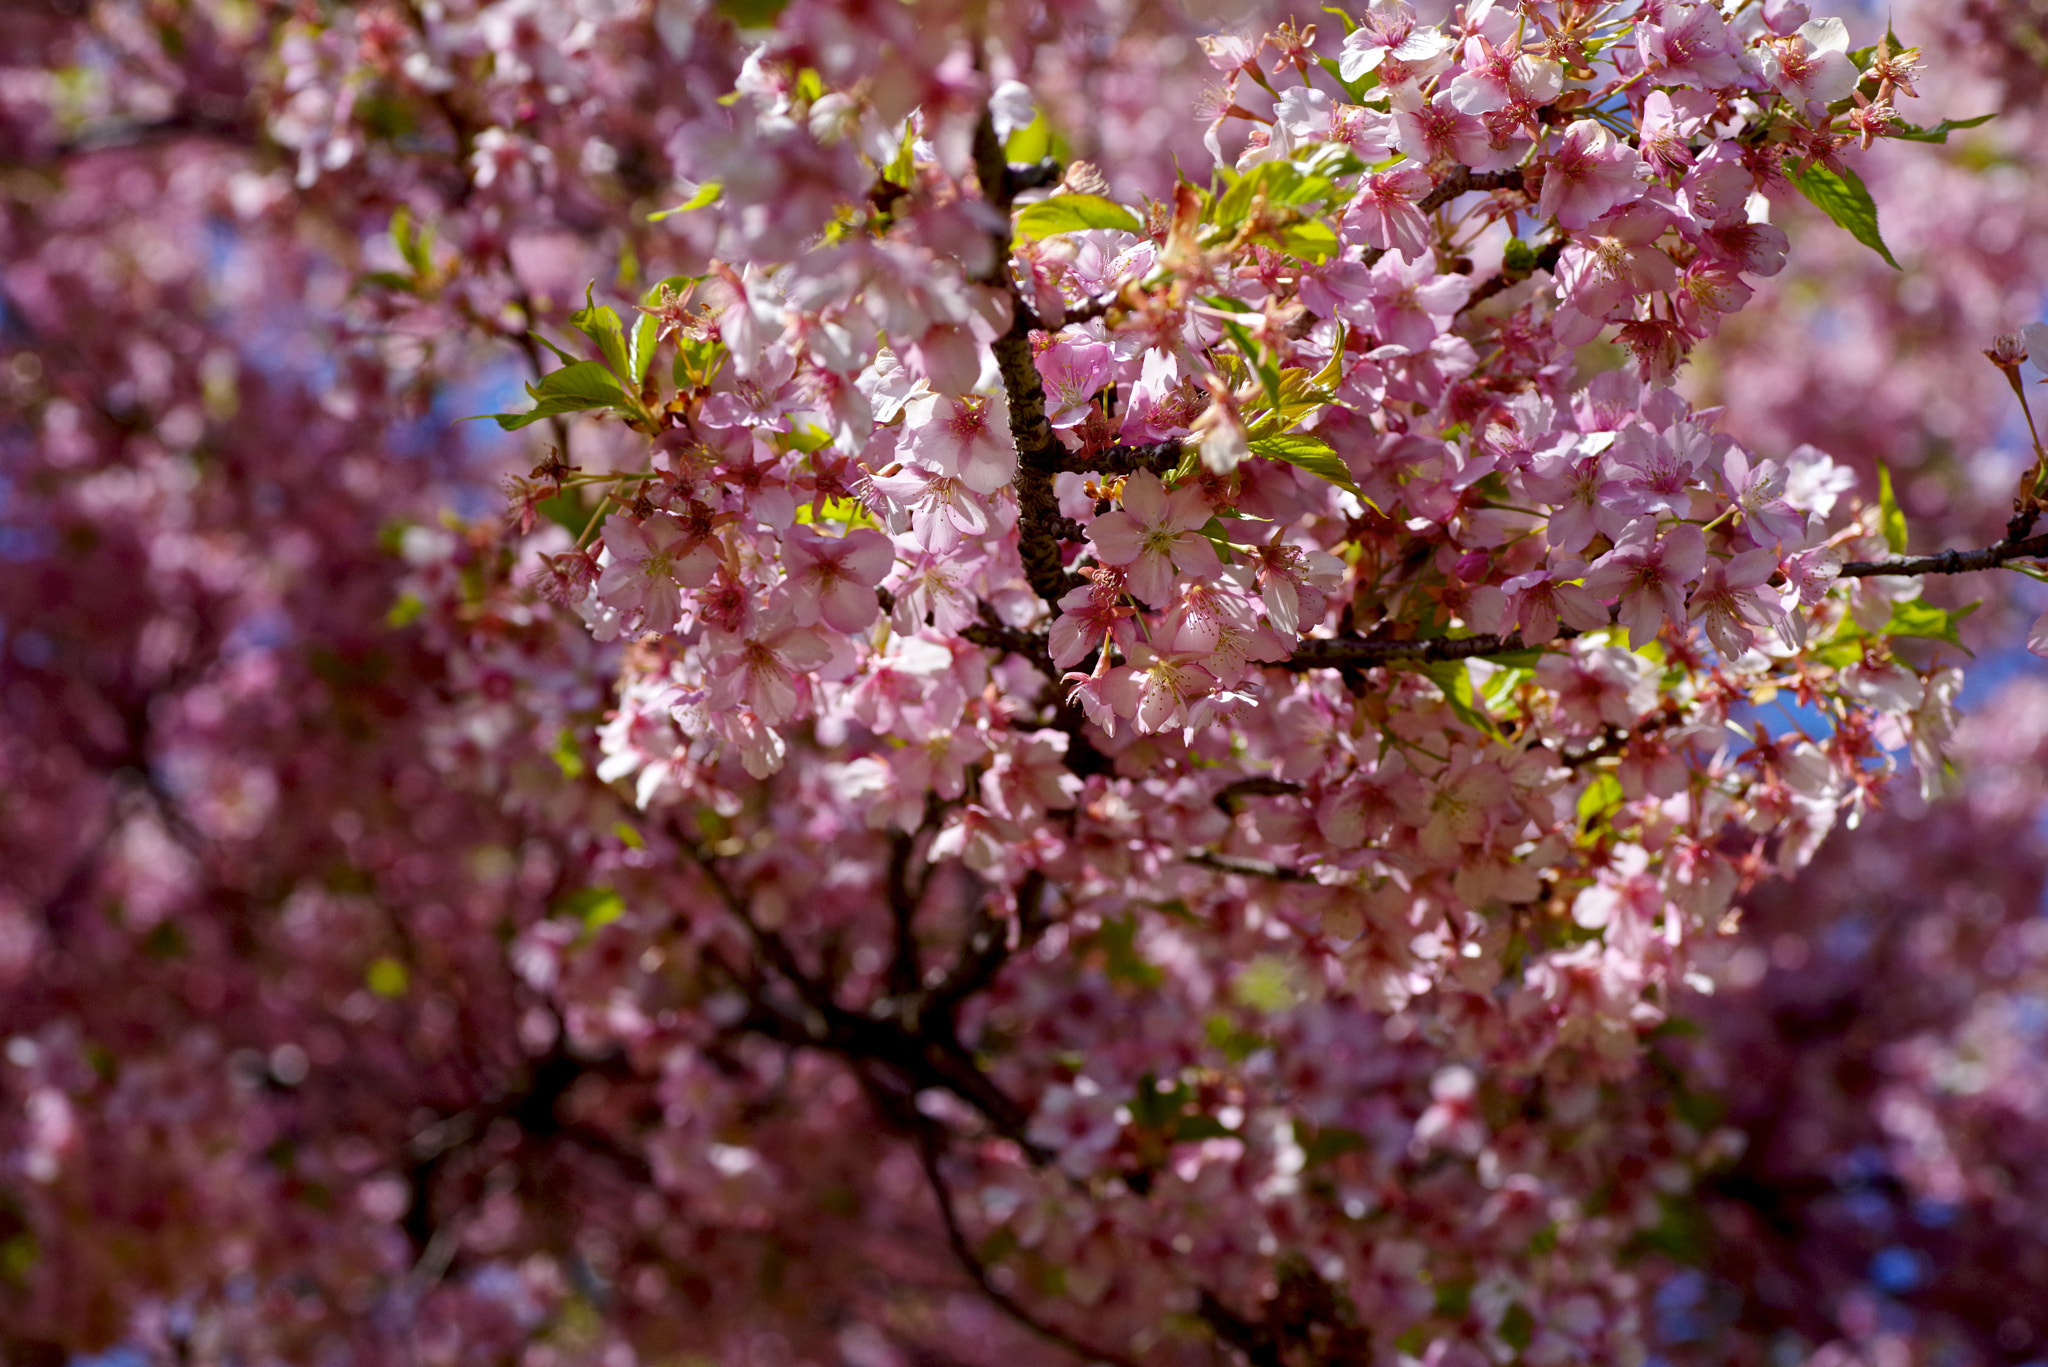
{"x": 1460, "y": 179}
{"x": 1158, "y": 457}
{"x": 1318, "y": 652}
{"x": 956, "y": 1240}
{"x": 1254, "y": 868}
{"x": 1258, "y": 786}
{"x": 1951, "y": 561}
{"x": 1040, "y": 528}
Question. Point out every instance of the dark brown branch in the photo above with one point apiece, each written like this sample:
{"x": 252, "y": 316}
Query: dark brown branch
{"x": 918, "y": 1047}
{"x": 1951, "y": 562}
{"x": 1330, "y": 653}
{"x": 906, "y": 973}
{"x": 988, "y": 948}
{"x": 1040, "y": 528}
{"x": 997, "y": 635}
{"x": 1227, "y": 797}
{"x": 237, "y": 130}
{"x": 1254, "y": 868}
{"x": 956, "y": 1240}
{"x": 1547, "y": 258}
{"x": 1158, "y": 457}
{"x": 1249, "y": 1338}
{"x": 1460, "y": 179}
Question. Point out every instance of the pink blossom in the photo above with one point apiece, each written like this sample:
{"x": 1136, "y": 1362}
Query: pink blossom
{"x": 1073, "y": 369}
{"x": 1090, "y": 616}
{"x": 763, "y": 400}
{"x": 1384, "y": 212}
{"x": 1586, "y": 500}
{"x": 939, "y": 509}
{"x": 1646, "y": 576}
{"x": 1462, "y": 804}
{"x": 832, "y": 579}
{"x": 1609, "y": 267}
{"x": 763, "y": 668}
{"x": 1156, "y": 691}
{"x": 1152, "y": 534}
{"x": 1812, "y": 67}
{"x": 1539, "y": 601}
{"x": 966, "y": 438}
{"x": 647, "y": 565}
{"x": 1388, "y": 31}
{"x": 1730, "y": 600}
{"x": 1294, "y": 584}
{"x": 1411, "y": 302}
{"x": 1589, "y": 174}
{"x": 1759, "y": 490}
{"x": 1434, "y": 131}
{"x": 1663, "y": 134}
{"x": 1688, "y": 44}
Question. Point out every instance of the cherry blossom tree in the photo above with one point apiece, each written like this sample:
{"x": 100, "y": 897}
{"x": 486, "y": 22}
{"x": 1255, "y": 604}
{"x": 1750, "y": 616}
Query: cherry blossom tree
{"x": 1117, "y": 709}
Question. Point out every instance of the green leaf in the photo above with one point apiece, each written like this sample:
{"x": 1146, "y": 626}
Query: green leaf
{"x": 1846, "y": 200}
{"x": 1326, "y": 1142}
{"x": 415, "y": 244}
{"x": 902, "y": 170}
{"x": 1890, "y": 520}
{"x": 1266, "y": 984}
{"x": 387, "y": 977}
{"x": 405, "y": 611}
{"x": 1330, "y": 160}
{"x": 595, "y": 907}
{"x": 567, "y": 754}
{"x": 1073, "y": 214}
{"x": 1918, "y": 617}
{"x": 572, "y": 389}
{"x": 1940, "y": 131}
{"x": 1308, "y": 453}
{"x": 1125, "y": 963}
{"x": 1517, "y": 1327}
{"x": 1033, "y": 143}
{"x": 1455, "y": 680}
{"x": 1602, "y": 795}
{"x": 1350, "y": 25}
{"x": 707, "y": 193}
{"x": 1255, "y": 357}
{"x": 1311, "y": 241}
{"x": 564, "y": 357}
{"x": 751, "y": 13}
{"x": 642, "y": 350}
{"x": 601, "y": 325}
{"x": 1357, "y": 90}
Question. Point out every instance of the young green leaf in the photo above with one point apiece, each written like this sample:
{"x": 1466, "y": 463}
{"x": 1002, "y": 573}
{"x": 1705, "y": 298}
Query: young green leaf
{"x": 572, "y": 389}
{"x": 1074, "y": 213}
{"x": 707, "y": 193}
{"x": 1890, "y": 520}
{"x": 1455, "y": 680}
{"x": 602, "y": 326}
{"x": 1255, "y": 357}
{"x": 1940, "y": 131}
{"x": 1917, "y": 617}
{"x": 1846, "y": 200}
{"x": 1307, "y": 453}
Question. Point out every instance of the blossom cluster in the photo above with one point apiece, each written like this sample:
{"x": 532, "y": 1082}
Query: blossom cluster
{"x": 1066, "y": 754}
